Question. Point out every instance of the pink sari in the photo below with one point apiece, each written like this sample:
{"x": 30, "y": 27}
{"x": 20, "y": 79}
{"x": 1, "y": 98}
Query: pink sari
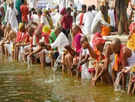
{"x": 76, "y": 42}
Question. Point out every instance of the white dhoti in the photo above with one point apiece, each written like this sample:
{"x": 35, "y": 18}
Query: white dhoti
{"x": 47, "y": 58}
{"x": 9, "y": 47}
{"x": 85, "y": 74}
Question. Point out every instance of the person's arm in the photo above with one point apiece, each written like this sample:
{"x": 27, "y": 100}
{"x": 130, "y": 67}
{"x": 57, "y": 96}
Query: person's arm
{"x": 23, "y": 44}
{"x": 34, "y": 40}
{"x": 94, "y": 24}
{"x": 84, "y": 60}
{"x": 124, "y": 61}
{"x": 126, "y": 54}
{"x": 91, "y": 52}
{"x": 129, "y": 36}
{"x": 36, "y": 51}
{"x": 16, "y": 12}
{"x": 108, "y": 52}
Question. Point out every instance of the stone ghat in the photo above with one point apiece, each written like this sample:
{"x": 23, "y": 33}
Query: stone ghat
{"x": 123, "y": 38}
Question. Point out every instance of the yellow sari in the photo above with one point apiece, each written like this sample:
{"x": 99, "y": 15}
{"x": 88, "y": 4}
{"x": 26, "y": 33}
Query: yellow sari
{"x": 131, "y": 42}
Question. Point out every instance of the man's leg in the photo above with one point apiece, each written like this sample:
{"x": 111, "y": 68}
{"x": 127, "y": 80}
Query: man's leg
{"x": 114, "y": 73}
{"x": 97, "y": 75}
{"x": 2, "y": 49}
{"x": 42, "y": 59}
{"x": 133, "y": 91}
{"x": 123, "y": 81}
{"x": 16, "y": 53}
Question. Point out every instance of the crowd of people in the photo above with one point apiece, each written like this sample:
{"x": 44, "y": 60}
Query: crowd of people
{"x": 70, "y": 38}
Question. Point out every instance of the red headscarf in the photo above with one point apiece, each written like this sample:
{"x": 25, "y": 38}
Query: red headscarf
{"x": 97, "y": 39}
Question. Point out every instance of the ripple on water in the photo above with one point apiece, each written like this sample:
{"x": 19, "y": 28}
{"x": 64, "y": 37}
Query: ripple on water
{"x": 17, "y": 84}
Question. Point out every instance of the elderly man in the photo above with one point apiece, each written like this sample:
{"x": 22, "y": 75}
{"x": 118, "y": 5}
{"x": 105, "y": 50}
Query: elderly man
{"x": 121, "y": 54}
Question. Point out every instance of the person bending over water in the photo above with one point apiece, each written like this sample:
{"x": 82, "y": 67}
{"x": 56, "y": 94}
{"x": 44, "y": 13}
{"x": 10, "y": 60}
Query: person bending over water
{"x": 121, "y": 54}
{"x": 120, "y": 60}
{"x": 99, "y": 63}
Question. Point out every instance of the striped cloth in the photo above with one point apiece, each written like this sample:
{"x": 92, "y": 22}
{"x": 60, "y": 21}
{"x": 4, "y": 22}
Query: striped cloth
{"x": 41, "y": 4}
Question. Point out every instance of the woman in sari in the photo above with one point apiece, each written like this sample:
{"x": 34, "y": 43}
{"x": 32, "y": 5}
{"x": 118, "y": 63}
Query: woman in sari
{"x": 68, "y": 59}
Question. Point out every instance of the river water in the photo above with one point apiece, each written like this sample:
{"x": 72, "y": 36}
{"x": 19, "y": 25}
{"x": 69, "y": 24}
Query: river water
{"x": 20, "y": 84}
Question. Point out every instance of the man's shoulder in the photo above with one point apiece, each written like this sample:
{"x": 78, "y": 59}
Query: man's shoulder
{"x": 66, "y": 16}
{"x": 125, "y": 51}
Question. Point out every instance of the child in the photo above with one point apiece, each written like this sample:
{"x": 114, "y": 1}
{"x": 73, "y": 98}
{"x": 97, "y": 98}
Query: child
{"x": 83, "y": 59}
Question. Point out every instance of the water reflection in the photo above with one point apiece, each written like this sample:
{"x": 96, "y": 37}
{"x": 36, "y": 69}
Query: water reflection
{"x": 17, "y": 84}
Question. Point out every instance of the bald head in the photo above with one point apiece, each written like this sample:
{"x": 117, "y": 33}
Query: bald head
{"x": 116, "y": 43}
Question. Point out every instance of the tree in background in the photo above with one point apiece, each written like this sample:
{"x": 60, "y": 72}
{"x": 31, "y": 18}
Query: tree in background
{"x": 121, "y": 15}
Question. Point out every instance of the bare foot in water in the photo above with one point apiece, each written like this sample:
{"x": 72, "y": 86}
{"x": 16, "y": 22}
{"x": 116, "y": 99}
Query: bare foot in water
{"x": 93, "y": 81}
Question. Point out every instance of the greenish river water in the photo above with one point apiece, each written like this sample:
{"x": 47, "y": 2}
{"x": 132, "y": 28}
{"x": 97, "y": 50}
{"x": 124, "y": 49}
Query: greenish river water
{"x": 18, "y": 84}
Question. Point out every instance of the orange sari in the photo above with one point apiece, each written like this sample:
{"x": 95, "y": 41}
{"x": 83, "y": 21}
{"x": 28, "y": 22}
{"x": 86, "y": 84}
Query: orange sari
{"x": 105, "y": 30}
{"x": 117, "y": 60}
